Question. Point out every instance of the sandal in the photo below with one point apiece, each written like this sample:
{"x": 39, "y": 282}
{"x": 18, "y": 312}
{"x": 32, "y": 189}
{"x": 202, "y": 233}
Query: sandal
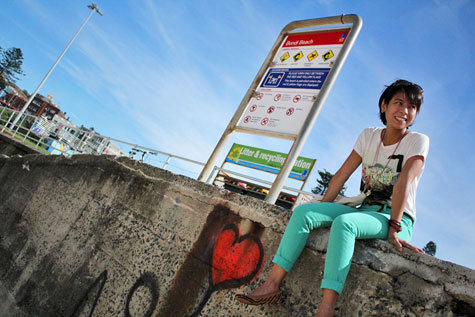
{"x": 273, "y": 298}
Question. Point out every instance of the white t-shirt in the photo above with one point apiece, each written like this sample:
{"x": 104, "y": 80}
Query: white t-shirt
{"x": 381, "y": 180}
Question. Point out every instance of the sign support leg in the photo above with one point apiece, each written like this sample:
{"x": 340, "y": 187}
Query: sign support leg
{"x": 208, "y": 168}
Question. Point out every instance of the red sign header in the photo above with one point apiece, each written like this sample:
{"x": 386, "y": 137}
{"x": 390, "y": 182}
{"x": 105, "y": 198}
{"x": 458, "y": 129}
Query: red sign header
{"x": 318, "y": 38}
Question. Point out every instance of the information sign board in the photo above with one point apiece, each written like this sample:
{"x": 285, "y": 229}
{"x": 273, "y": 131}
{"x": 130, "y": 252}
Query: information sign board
{"x": 268, "y": 161}
{"x": 291, "y": 85}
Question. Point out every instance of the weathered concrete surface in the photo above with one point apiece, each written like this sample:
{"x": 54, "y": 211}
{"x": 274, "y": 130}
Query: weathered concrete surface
{"x": 9, "y": 146}
{"x": 117, "y": 237}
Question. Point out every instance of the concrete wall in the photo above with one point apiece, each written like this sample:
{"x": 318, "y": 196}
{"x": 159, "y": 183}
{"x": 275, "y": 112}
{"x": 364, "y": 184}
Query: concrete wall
{"x": 120, "y": 238}
{"x": 10, "y": 146}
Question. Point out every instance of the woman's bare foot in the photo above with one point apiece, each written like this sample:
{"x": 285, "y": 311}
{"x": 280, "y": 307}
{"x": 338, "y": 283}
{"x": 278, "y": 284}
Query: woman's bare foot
{"x": 271, "y": 285}
{"x": 325, "y": 312}
{"x": 267, "y": 293}
{"x": 328, "y": 303}
{"x": 268, "y": 287}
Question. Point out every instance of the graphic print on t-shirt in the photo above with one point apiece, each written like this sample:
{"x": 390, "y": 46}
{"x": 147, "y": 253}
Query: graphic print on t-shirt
{"x": 380, "y": 180}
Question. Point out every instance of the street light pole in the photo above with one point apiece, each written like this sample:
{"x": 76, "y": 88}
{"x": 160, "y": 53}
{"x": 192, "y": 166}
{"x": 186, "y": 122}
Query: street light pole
{"x": 93, "y": 8}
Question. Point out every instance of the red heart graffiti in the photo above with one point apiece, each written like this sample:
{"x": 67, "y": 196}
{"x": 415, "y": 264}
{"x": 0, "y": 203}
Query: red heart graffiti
{"x": 236, "y": 260}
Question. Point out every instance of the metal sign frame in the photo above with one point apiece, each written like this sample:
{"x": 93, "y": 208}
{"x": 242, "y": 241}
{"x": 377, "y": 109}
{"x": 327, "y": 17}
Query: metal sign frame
{"x": 300, "y": 139}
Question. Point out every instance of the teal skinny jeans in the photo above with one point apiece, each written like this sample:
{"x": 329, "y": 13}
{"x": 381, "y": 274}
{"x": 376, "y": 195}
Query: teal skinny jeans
{"x": 347, "y": 225}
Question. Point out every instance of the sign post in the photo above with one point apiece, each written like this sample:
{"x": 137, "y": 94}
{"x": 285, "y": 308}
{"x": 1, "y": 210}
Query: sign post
{"x": 287, "y": 94}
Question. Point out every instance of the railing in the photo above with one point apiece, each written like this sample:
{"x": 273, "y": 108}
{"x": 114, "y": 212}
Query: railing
{"x": 57, "y": 139}
{"x": 24, "y": 130}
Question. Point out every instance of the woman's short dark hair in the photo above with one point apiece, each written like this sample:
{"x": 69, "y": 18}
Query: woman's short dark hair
{"x": 413, "y": 92}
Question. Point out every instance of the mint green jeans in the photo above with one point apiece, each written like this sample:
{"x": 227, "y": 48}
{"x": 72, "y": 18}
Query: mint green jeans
{"x": 347, "y": 225}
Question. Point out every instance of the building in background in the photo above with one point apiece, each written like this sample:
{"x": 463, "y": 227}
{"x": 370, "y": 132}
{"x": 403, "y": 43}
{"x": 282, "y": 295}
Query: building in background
{"x": 113, "y": 149}
{"x": 81, "y": 139}
{"x": 44, "y": 107}
{"x": 13, "y": 97}
{"x": 50, "y": 124}
{"x": 41, "y": 106}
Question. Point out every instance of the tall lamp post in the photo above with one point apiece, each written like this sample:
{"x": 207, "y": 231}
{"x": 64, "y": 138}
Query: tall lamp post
{"x": 93, "y": 8}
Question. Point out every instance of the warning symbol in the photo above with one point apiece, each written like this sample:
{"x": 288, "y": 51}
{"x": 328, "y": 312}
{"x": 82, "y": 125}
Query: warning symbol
{"x": 328, "y": 55}
{"x": 290, "y": 111}
{"x": 259, "y": 96}
{"x": 312, "y": 55}
{"x": 284, "y": 57}
{"x": 265, "y": 121}
{"x": 247, "y": 119}
{"x": 277, "y": 97}
{"x": 297, "y": 98}
{"x": 253, "y": 108}
{"x": 271, "y": 109}
{"x": 298, "y": 56}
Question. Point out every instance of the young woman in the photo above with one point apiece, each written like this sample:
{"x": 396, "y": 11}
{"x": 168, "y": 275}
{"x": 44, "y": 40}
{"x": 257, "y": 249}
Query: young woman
{"x": 393, "y": 161}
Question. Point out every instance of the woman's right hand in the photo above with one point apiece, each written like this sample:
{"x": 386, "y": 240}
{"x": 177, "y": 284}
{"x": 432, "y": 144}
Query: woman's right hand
{"x": 400, "y": 243}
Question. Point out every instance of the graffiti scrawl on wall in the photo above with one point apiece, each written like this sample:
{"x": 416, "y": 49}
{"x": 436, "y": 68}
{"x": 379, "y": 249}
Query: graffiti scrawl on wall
{"x": 221, "y": 258}
{"x": 146, "y": 280}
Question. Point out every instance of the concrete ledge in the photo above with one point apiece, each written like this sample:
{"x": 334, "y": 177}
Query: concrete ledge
{"x": 115, "y": 236}
{"x": 10, "y": 146}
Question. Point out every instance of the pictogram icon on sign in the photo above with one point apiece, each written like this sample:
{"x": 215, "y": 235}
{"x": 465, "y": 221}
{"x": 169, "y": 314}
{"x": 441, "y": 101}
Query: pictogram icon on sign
{"x": 298, "y": 56}
{"x": 277, "y": 97}
{"x": 270, "y": 109}
{"x": 343, "y": 37}
{"x": 274, "y": 80}
{"x": 265, "y": 121}
{"x": 312, "y": 55}
{"x": 247, "y": 119}
{"x": 297, "y": 98}
{"x": 253, "y": 108}
{"x": 259, "y": 96}
{"x": 327, "y": 55}
{"x": 284, "y": 57}
{"x": 290, "y": 111}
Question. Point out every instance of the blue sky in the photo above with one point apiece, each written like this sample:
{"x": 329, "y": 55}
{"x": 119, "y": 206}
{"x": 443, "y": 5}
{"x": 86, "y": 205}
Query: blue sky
{"x": 169, "y": 75}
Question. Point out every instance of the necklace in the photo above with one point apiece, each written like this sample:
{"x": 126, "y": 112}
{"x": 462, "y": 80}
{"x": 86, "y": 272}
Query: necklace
{"x": 378, "y": 175}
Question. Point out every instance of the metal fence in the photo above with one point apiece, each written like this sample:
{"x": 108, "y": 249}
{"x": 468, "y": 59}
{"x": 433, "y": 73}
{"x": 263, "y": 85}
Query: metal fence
{"x": 60, "y": 136}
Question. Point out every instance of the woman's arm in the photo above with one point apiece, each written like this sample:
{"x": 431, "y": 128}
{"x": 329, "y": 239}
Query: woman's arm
{"x": 409, "y": 172}
{"x": 341, "y": 176}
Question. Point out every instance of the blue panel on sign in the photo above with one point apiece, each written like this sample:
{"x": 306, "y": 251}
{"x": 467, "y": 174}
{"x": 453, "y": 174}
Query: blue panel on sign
{"x": 300, "y": 78}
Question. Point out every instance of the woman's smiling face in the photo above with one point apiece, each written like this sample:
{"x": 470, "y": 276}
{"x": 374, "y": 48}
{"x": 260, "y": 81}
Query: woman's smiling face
{"x": 399, "y": 112}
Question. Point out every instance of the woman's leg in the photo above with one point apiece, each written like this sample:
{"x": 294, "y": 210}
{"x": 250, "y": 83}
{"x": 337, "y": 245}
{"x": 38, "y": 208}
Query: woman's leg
{"x": 304, "y": 219}
{"x": 345, "y": 229}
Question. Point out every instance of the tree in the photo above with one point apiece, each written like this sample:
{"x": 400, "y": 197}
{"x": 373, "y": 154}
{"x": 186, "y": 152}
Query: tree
{"x": 10, "y": 65}
{"x": 430, "y": 248}
{"x": 324, "y": 182}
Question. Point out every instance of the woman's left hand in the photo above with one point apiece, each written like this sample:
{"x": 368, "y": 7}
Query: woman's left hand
{"x": 399, "y": 243}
